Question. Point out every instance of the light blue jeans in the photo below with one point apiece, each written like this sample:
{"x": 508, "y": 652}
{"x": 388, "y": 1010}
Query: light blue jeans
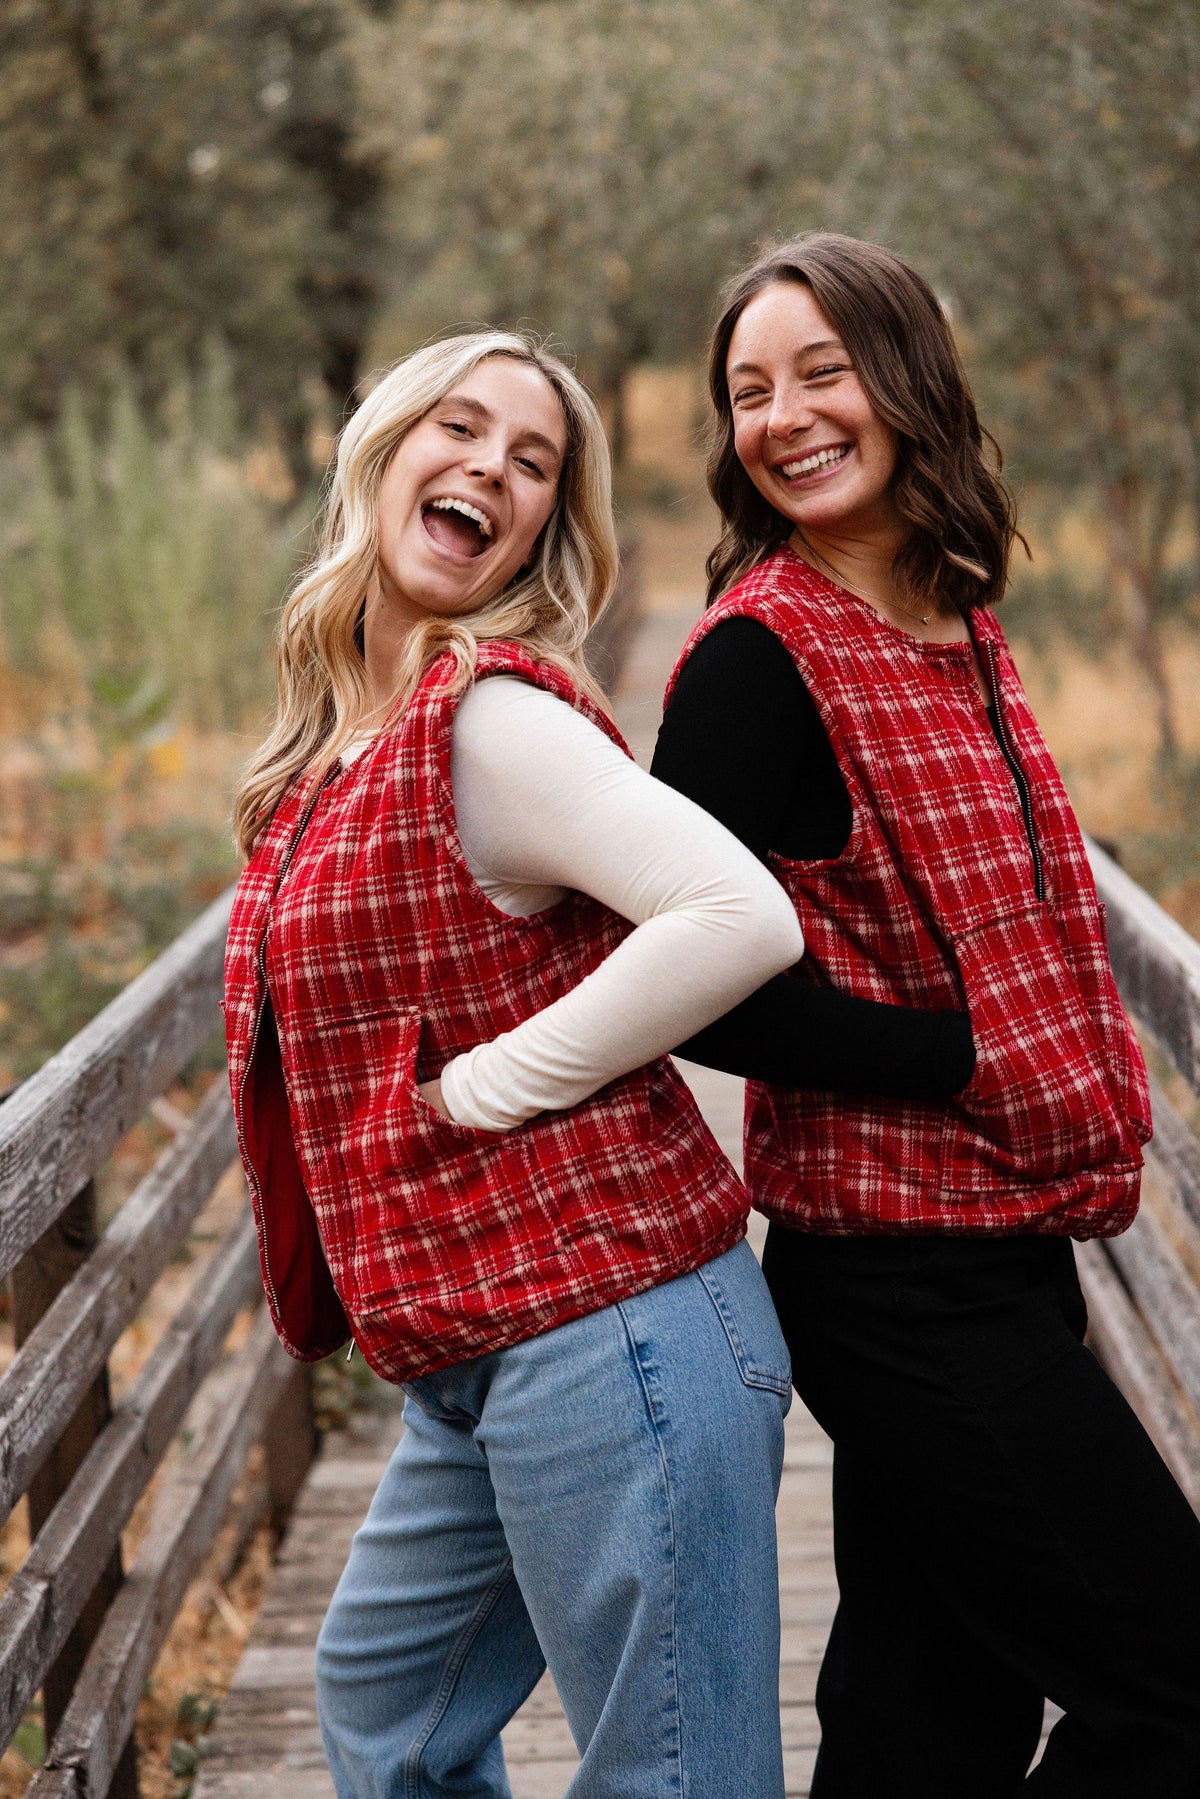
{"x": 600, "y": 1498}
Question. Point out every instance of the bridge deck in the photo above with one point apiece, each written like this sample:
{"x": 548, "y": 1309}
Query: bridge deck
{"x": 265, "y": 1743}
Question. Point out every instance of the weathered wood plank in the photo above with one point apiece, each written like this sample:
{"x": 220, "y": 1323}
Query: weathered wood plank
{"x": 36, "y": 1285}
{"x": 59, "y": 1125}
{"x": 1174, "y": 1153}
{"x": 66, "y": 1351}
{"x": 290, "y": 1442}
{"x": 1164, "y": 1294}
{"x": 187, "y": 1514}
{"x": 1134, "y": 1361}
{"x": 45, "y": 1594}
{"x": 1157, "y": 965}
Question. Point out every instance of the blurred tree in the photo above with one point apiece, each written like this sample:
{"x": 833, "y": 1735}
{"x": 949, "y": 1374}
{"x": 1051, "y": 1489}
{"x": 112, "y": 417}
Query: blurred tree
{"x": 174, "y": 169}
{"x": 595, "y": 166}
{"x": 1047, "y": 166}
{"x": 311, "y": 93}
{"x": 598, "y": 166}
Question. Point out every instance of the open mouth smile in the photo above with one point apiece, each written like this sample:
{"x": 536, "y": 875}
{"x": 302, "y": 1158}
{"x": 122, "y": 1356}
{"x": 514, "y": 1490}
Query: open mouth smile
{"x": 817, "y": 465}
{"x": 459, "y": 528}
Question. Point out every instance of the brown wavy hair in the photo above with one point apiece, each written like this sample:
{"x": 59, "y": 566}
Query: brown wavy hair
{"x": 946, "y": 485}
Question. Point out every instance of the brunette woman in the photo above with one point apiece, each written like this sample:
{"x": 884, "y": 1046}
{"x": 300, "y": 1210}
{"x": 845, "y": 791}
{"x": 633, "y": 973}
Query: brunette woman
{"x": 468, "y": 929}
{"x": 1005, "y": 1531}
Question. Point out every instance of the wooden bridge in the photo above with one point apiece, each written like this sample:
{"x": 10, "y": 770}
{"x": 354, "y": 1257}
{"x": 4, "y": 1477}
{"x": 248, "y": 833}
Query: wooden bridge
{"x": 82, "y": 1622}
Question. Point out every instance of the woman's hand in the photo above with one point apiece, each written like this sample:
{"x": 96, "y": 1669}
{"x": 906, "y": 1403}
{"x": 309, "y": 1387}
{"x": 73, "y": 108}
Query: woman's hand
{"x": 431, "y": 1093}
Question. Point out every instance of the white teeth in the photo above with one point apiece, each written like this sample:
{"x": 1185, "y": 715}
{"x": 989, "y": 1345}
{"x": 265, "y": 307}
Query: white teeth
{"x": 820, "y": 460}
{"x": 467, "y": 510}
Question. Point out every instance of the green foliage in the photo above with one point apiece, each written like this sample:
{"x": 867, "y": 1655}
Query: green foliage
{"x": 140, "y": 560}
{"x": 196, "y": 1711}
{"x": 173, "y": 168}
{"x": 77, "y": 929}
{"x": 141, "y": 569}
{"x": 1045, "y": 167}
{"x": 594, "y": 166}
{"x": 194, "y": 1716}
{"x": 344, "y": 1387}
{"x": 253, "y": 173}
{"x": 29, "y": 1741}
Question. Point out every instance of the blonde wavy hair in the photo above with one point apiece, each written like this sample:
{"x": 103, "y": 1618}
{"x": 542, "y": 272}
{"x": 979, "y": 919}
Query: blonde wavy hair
{"x": 549, "y": 606}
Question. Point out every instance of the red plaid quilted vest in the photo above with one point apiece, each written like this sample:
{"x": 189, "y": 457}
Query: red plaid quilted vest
{"x": 362, "y": 956}
{"x": 939, "y": 899}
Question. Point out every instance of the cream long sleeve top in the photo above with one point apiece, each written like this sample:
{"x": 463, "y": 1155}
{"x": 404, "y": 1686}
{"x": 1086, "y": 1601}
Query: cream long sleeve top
{"x": 546, "y": 802}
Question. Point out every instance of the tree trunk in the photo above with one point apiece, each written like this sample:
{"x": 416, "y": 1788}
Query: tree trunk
{"x": 1145, "y": 623}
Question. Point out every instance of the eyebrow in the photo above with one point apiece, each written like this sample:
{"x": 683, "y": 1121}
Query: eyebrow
{"x": 480, "y": 411}
{"x": 825, "y": 343}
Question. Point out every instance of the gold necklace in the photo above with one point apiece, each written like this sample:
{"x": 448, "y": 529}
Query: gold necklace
{"x": 876, "y": 599}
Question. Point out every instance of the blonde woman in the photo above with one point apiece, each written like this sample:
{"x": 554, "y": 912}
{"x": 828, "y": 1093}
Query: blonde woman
{"x": 468, "y": 930}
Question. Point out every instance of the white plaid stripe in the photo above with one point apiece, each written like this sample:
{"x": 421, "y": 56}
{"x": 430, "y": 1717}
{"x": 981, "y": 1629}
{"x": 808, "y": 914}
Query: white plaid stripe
{"x": 385, "y": 960}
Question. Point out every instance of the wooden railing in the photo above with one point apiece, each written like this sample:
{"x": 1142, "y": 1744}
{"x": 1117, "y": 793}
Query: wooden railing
{"x": 74, "y": 1622}
{"x": 1143, "y": 1288}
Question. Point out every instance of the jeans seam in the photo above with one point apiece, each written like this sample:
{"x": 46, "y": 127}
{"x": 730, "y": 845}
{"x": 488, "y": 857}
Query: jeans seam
{"x": 681, "y": 1782}
{"x": 449, "y": 1680}
{"x": 752, "y": 1374}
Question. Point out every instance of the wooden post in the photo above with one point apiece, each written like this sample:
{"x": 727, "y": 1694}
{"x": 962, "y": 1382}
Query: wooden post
{"x": 290, "y": 1442}
{"x": 34, "y": 1285}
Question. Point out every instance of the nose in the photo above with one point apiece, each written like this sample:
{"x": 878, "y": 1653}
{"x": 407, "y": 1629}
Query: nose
{"x": 791, "y": 412}
{"x": 486, "y": 463}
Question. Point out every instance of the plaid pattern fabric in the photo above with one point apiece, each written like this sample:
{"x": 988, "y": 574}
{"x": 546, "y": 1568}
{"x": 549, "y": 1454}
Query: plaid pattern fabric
{"x": 384, "y": 960}
{"x": 935, "y": 902}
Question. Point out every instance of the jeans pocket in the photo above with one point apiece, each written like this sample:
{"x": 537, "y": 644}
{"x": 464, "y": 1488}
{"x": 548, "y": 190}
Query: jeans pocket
{"x": 735, "y": 1284}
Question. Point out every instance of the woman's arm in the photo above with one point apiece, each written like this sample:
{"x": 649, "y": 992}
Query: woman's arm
{"x": 743, "y": 738}
{"x": 545, "y": 800}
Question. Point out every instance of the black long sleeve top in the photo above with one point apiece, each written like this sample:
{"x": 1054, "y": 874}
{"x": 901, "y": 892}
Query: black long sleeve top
{"x": 743, "y": 738}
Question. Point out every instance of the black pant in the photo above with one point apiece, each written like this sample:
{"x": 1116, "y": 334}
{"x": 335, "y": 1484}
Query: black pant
{"x": 1004, "y": 1530}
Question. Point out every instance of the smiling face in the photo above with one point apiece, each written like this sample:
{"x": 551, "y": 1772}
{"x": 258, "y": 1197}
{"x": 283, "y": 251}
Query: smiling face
{"x": 804, "y": 429}
{"x": 468, "y": 492}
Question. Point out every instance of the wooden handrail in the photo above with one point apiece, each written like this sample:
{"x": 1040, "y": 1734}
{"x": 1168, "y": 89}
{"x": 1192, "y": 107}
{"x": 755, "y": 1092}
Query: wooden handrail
{"x": 186, "y": 1517}
{"x": 1141, "y": 1288}
{"x": 78, "y": 1293}
{"x": 64, "y": 1121}
{"x": 66, "y": 1350}
{"x": 45, "y": 1595}
{"x": 1157, "y": 965}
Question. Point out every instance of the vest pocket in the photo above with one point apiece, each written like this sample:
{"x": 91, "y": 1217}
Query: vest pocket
{"x": 1084, "y": 930}
{"x": 394, "y": 1129}
{"x": 406, "y": 1186}
{"x": 1044, "y": 1100}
